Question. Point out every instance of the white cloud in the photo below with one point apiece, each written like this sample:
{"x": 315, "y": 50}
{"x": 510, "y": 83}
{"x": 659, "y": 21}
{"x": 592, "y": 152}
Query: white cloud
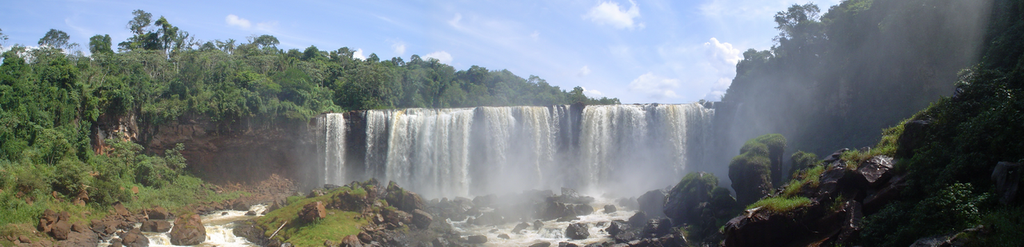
{"x": 399, "y": 48}
{"x": 593, "y": 93}
{"x": 722, "y": 57}
{"x": 358, "y": 54}
{"x": 245, "y": 24}
{"x": 441, "y": 56}
{"x": 234, "y": 20}
{"x": 583, "y": 71}
{"x": 535, "y": 35}
{"x": 612, "y": 14}
{"x": 654, "y": 86}
{"x": 455, "y": 21}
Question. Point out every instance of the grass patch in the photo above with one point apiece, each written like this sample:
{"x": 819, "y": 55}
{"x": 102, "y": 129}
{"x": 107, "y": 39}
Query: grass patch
{"x": 780, "y": 204}
{"x": 334, "y": 227}
{"x": 805, "y": 179}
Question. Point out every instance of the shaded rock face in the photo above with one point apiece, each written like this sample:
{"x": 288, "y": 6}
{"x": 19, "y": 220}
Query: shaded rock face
{"x": 652, "y": 203}
{"x": 158, "y": 213}
{"x": 1006, "y": 177}
{"x": 403, "y": 199}
{"x": 476, "y": 239}
{"x": 913, "y": 137}
{"x": 577, "y": 231}
{"x": 421, "y": 219}
{"x": 188, "y": 230}
{"x": 134, "y": 238}
{"x": 682, "y": 204}
{"x": 235, "y": 151}
{"x": 876, "y": 170}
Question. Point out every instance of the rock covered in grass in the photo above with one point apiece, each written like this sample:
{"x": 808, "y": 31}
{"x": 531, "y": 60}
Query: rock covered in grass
{"x": 188, "y": 230}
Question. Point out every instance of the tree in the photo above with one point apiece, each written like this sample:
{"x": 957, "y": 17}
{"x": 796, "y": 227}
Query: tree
{"x": 100, "y": 44}
{"x": 138, "y": 24}
{"x": 56, "y": 39}
{"x": 3, "y": 39}
{"x": 264, "y": 41}
{"x": 143, "y": 39}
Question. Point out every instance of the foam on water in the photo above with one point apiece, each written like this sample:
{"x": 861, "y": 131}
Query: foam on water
{"x": 218, "y": 224}
{"x": 553, "y": 231}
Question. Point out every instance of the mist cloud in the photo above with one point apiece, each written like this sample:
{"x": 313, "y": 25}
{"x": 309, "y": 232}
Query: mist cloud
{"x": 234, "y": 20}
{"x": 441, "y": 56}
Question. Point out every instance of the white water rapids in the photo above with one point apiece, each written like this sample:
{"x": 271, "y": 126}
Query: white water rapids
{"x": 219, "y": 225}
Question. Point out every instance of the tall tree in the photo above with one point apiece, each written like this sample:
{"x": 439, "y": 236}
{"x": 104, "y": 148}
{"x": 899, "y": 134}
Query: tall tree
{"x": 100, "y": 44}
{"x": 3, "y": 39}
{"x": 56, "y": 39}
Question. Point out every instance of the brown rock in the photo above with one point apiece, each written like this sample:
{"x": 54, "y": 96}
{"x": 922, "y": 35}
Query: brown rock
{"x": 50, "y": 216}
{"x": 188, "y": 230}
{"x": 64, "y": 216}
{"x": 156, "y": 226}
{"x": 134, "y": 238}
{"x": 78, "y": 228}
{"x": 239, "y": 205}
{"x": 24, "y": 239}
{"x": 44, "y": 225}
{"x": 351, "y": 241}
{"x": 313, "y": 211}
{"x": 60, "y": 230}
{"x": 421, "y": 219}
{"x": 365, "y": 237}
{"x": 119, "y": 209}
{"x": 158, "y": 213}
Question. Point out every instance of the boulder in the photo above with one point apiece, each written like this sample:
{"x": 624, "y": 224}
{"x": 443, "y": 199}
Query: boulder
{"x": 158, "y": 213}
{"x": 609, "y": 209}
{"x": 134, "y": 238}
{"x": 403, "y": 199}
{"x": 657, "y": 228}
{"x": 912, "y": 138}
{"x": 552, "y": 209}
{"x": 251, "y": 232}
{"x": 364, "y": 237}
{"x": 156, "y": 226}
{"x": 616, "y": 227}
{"x": 639, "y": 219}
{"x": 119, "y": 209}
{"x": 476, "y": 239}
{"x": 577, "y": 231}
{"x": 520, "y": 227}
{"x": 504, "y": 236}
{"x": 1006, "y": 176}
{"x": 540, "y": 244}
{"x": 876, "y": 171}
{"x": 239, "y": 205}
{"x": 79, "y": 228}
{"x": 351, "y": 241}
{"x": 652, "y": 203}
{"x": 537, "y": 225}
{"x": 188, "y": 230}
{"x": 250, "y": 213}
{"x": 489, "y": 219}
{"x": 683, "y": 200}
{"x": 750, "y": 173}
{"x": 60, "y": 230}
{"x": 421, "y": 219}
{"x": 313, "y": 211}
{"x": 583, "y": 209}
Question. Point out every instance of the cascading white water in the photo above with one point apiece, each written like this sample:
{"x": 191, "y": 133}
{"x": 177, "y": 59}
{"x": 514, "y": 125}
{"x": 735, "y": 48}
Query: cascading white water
{"x": 333, "y": 125}
{"x": 474, "y": 151}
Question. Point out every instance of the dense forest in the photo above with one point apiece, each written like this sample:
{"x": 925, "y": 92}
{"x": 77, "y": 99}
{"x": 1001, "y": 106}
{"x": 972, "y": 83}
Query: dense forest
{"x": 52, "y": 96}
{"x": 834, "y": 78}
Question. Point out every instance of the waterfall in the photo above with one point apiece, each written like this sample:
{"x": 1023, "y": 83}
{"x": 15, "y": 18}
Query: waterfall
{"x": 484, "y": 150}
{"x": 333, "y": 125}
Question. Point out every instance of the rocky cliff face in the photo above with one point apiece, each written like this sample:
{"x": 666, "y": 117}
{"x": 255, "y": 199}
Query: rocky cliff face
{"x": 219, "y": 152}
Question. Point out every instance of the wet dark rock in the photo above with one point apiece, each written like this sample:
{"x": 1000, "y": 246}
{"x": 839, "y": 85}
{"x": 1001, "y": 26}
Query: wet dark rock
{"x": 537, "y": 225}
{"x": 440, "y": 242}
{"x": 249, "y": 231}
{"x": 616, "y": 227}
{"x": 577, "y": 231}
{"x": 156, "y": 226}
{"x": 567, "y": 244}
{"x": 652, "y": 203}
{"x": 403, "y": 199}
{"x": 684, "y": 200}
{"x": 520, "y": 227}
{"x": 476, "y": 239}
{"x": 639, "y": 219}
{"x": 657, "y": 228}
{"x": 489, "y": 219}
{"x": 609, "y": 209}
{"x": 876, "y": 171}
{"x": 503, "y": 236}
{"x": 583, "y": 209}
{"x": 912, "y": 138}
{"x": 250, "y": 213}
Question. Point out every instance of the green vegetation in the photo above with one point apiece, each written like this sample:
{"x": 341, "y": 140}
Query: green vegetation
{"x": 334, "y": 227}
{"x": 780, "y": 204}
{"x": 806, "y": 179}
{"x": 801, "y": 160}
{"x": 751, "y": 171}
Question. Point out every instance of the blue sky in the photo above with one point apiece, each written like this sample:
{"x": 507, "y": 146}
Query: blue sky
{"x": 638, "y": 51}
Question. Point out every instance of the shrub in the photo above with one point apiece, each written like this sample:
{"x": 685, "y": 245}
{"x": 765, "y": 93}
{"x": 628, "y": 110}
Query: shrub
{"x": 780, "y": 204}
